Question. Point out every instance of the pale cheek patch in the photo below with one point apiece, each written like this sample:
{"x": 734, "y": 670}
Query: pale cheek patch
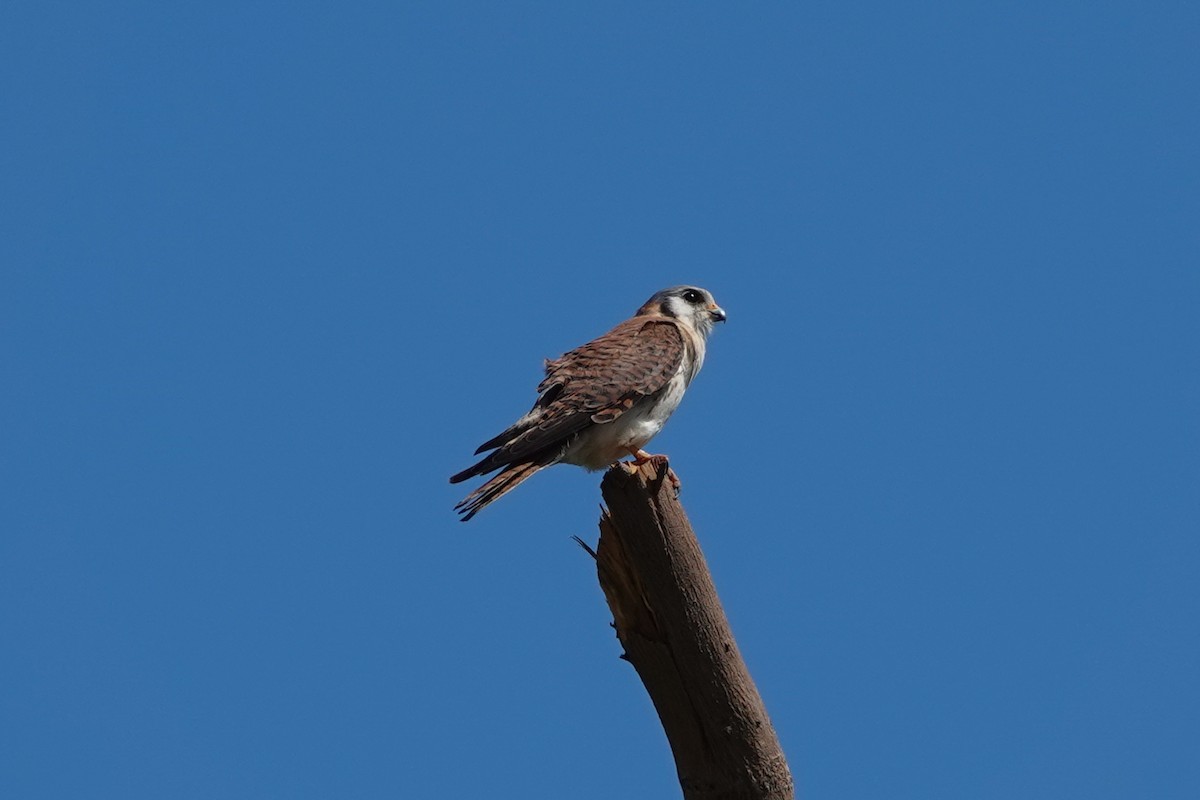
{"x": 675, "y": 307}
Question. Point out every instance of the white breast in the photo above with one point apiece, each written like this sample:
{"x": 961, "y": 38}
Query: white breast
{"x": 601, "y": 445}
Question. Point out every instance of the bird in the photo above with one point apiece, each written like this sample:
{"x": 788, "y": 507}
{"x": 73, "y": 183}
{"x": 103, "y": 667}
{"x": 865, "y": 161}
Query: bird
{"x": 603, "y": 400}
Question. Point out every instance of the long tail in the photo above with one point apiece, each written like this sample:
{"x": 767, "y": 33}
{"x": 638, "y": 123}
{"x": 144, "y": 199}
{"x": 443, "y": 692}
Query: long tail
{"x": 497, "y": 487}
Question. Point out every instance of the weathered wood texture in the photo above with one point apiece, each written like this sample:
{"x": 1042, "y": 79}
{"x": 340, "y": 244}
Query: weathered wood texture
{"x": 669, "y": 619}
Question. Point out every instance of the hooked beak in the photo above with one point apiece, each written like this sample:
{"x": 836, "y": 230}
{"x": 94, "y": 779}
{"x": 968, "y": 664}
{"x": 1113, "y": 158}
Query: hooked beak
{"x": 716, "y": 312}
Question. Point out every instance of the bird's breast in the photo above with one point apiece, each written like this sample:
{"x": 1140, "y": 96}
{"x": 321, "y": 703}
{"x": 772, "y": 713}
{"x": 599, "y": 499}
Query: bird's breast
{"x": 603, "y": 444}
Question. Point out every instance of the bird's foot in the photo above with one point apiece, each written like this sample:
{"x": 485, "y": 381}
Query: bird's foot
{"x": 660, "y": 463}
{"x": 641, "y": 456}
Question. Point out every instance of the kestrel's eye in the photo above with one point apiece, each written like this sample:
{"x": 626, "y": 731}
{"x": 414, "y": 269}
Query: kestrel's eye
{"x": 693, "y": 297}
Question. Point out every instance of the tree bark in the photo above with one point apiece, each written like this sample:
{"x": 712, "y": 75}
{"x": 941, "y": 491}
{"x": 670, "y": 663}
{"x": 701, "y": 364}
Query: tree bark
{"x": 669, "y": 620}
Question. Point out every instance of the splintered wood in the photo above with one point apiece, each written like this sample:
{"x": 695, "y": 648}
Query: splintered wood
{"x": 669, "y": 620}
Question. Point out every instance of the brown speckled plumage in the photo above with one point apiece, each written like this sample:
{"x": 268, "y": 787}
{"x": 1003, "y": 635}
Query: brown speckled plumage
{"x": 592, "y": 386}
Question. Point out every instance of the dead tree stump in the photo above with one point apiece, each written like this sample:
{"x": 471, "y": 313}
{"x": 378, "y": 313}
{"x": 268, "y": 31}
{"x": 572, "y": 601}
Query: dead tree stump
{"x": 669, "y": 620}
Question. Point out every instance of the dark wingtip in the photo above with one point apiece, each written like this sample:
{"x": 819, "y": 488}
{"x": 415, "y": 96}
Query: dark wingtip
{"x": 499, "y": 485}
{"x": 499, "y": 439}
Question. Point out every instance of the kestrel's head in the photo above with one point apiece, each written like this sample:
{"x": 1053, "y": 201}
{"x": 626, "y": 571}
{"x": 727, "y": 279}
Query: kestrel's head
{"x": 690, "y": 305}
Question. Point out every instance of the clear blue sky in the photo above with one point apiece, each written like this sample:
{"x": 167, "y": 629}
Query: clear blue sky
{"x": 272, "y": 271}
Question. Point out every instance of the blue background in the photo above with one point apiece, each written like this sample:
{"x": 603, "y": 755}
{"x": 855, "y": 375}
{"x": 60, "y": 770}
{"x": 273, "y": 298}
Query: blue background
{"x": 272, "y": 271}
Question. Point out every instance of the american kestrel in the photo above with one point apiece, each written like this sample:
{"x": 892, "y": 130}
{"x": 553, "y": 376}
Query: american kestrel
{"x": 604, "y": 400}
